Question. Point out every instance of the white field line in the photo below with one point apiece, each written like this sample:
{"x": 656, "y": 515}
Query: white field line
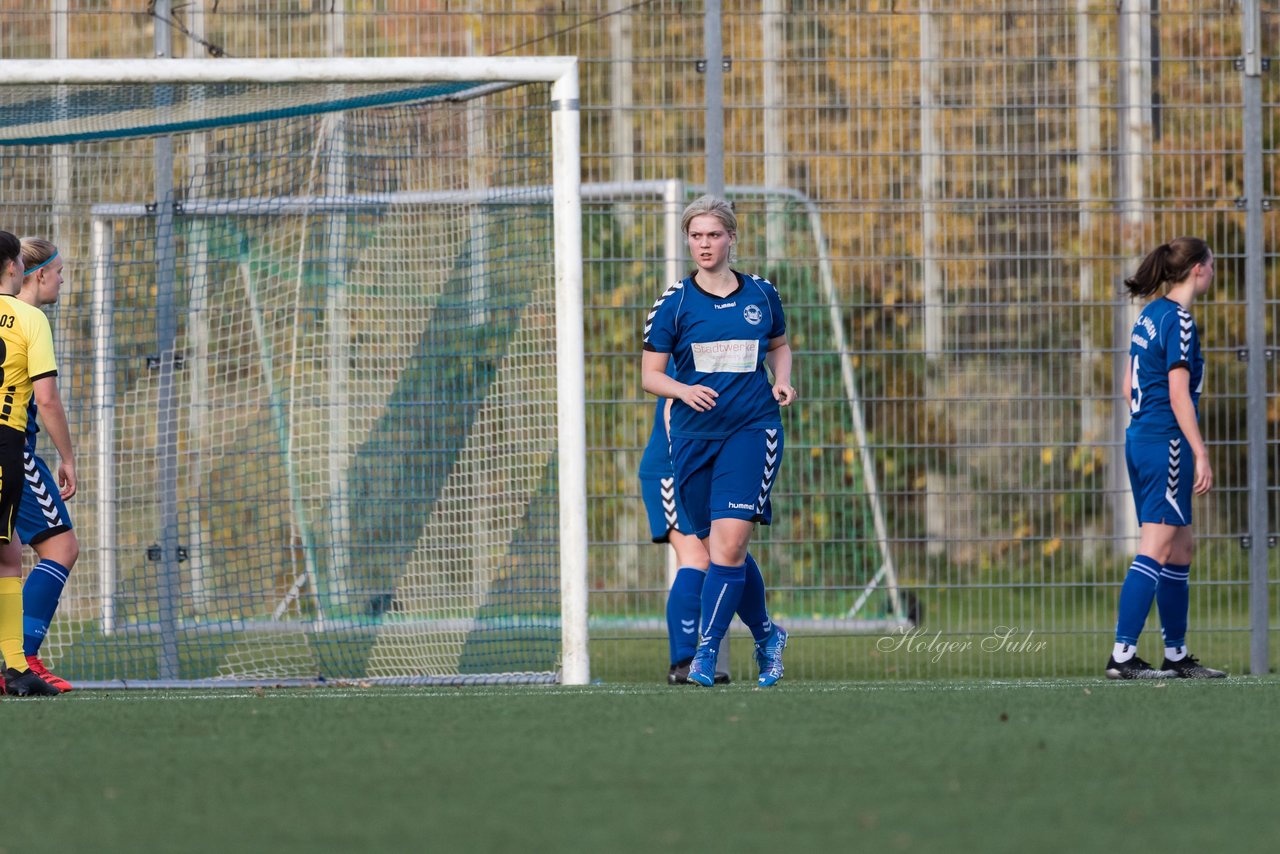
{"x": 385, "y": 693}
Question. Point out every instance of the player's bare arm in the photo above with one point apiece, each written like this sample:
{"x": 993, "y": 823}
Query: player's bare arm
{"x": 1185, "y": 413}
{"x": 654, "y": 379}
{"x": 55, "y": 421}
{"x": 778, "y": 358}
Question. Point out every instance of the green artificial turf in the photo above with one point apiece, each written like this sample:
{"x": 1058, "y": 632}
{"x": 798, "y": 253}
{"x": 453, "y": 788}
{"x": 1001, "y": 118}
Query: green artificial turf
{"x": 959, "y": 765}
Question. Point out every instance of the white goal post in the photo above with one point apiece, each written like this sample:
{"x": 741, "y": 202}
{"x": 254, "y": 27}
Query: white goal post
{"x": 51, "y": 136}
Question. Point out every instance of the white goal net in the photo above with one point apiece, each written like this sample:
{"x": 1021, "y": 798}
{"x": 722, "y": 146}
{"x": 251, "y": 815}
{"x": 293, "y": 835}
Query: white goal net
{"x": 321, "y": 349}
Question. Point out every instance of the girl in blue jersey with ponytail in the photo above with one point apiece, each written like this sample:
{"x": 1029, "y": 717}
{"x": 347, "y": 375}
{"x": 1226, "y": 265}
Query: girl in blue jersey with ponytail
{"x": 1166, "y": 455}
{"x": 721, "y": 328}
{"x": 668, "y": 525}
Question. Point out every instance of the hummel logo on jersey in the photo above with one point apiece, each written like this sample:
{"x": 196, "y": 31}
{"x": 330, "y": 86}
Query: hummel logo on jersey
{"x": 733, "y": 505}
{"x": 753, "y": 315}
{"x": 727, "y": 305}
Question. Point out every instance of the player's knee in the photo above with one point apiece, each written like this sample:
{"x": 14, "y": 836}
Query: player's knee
{"x": 1161, "y": 555}
{"x": 11, "y": 558}
{"x": 1182, "y": 554}
{"x": 693, "y": 558}
{"x": 63, "y": 548}
{"x": 10, "y": 567}
{"x": 729, "y": 542}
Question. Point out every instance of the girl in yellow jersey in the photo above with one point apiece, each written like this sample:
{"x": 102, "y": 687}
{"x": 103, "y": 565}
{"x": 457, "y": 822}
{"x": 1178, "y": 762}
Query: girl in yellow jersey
{"x": 26, "y": 355}
{"x": 43, "y": 522}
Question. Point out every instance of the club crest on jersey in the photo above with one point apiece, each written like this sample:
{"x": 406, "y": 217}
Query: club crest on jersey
{"x": 753, "y": 314}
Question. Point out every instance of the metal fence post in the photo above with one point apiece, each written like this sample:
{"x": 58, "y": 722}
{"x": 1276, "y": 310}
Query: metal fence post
{"x": 169, "y": 587}
{"x": 1255, "y": 286}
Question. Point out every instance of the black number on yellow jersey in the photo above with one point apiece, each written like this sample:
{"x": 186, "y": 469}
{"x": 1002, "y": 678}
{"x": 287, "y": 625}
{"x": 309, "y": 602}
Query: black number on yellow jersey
{"x": 6, "y": 320}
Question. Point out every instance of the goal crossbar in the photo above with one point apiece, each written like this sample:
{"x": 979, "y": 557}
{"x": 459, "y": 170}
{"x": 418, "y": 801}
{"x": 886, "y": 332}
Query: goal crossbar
{"x": 57, "y": 118}
{"x": 476, "y": 69}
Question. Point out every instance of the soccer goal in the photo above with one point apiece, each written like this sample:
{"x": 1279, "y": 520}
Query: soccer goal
{"x": 321, "y": 344}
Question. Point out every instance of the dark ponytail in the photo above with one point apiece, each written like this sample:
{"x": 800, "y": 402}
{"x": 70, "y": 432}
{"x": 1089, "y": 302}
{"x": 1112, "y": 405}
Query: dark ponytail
{"x": 10, "y": 249}
{"x": 1170, "y": 263}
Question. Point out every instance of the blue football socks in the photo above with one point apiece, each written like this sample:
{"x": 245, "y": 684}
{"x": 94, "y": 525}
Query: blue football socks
{"x": 40, "y": 597}
{"x": 684, "y": 604}
{"x": 1173, "y": 599}
{"x": 721, "y": 594}
{"x": 752, "y": 608}
{"x": 1136, "y": 595}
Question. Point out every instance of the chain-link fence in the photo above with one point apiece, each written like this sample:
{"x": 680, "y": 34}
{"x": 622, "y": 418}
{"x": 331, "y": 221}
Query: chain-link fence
{"x": 948, "y": 195}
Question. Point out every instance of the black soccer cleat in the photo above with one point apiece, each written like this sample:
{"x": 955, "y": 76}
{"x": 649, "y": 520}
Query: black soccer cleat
{"x": 679, "y": 674}
{"x": 1189, "y": 668}
{"x": 1134, "y": 668}
{"x": 27, "y": 684}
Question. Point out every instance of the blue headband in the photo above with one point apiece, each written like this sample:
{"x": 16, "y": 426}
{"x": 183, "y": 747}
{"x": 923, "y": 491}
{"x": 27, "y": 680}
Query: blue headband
{"x": 31, "y": 270}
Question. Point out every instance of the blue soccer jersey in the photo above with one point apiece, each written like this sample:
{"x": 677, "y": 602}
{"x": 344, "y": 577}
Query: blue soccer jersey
{"x": 33, "y": 429}
{"x": 656, "y": 459}
{"x": 721, "y": 343}
{"x": 1164, "y": 338}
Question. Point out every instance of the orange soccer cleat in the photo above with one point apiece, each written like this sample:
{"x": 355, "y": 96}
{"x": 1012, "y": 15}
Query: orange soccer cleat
{"x": 38, "y": 668}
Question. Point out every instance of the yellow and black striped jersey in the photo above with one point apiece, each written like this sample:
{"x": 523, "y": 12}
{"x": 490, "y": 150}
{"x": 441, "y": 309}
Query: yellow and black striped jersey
{"x": 26, "y": 355}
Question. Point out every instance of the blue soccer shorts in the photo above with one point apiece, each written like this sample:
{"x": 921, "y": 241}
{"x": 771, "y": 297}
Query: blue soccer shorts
{"x": 665, "y": 516}
{"x": 728, "y": 478}
{"x": 1161, "y": 473}
{"x": 42, "y": 512}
